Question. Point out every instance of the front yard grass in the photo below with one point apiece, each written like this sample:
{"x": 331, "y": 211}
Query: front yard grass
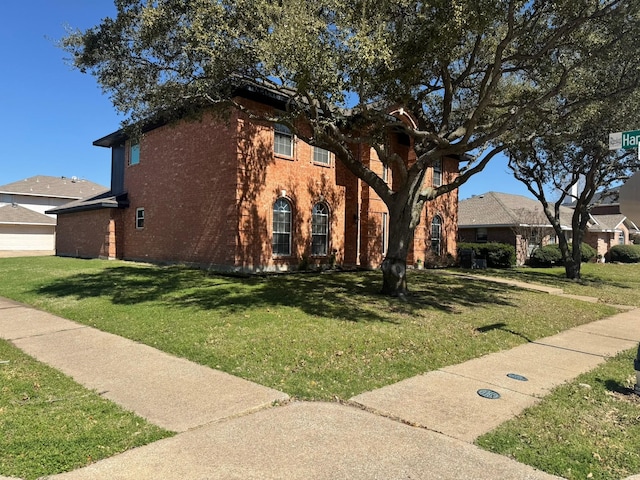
{"x": 615, "y": 284}
{"x": 50, "y": 424}
{"x": 313, "y": 336}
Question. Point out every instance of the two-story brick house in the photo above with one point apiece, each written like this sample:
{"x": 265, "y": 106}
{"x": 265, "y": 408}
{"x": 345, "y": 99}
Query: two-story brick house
{"x": 237, "y": 194}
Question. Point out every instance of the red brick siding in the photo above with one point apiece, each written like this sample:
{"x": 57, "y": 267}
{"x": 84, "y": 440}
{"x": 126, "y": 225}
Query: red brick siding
{"x": 87, "y": 234}
{"x": 185, "y": 182}
{"x": 263, "y": 177}
{"x": 208, "y": 187}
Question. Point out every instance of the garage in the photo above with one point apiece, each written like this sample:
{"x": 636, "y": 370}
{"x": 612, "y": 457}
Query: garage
{"x": 22, "y": 229}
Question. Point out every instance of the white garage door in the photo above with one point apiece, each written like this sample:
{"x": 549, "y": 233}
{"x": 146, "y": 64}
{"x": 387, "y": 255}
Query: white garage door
{"x": 27, "y": 237}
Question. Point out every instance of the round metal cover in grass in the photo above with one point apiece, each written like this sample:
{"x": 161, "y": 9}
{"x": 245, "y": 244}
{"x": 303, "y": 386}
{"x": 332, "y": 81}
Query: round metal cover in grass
{"x": 490, "y": 394}
{"x": 516, "y": 376}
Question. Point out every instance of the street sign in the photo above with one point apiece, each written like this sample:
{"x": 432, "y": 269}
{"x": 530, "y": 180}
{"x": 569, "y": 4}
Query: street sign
{"x": 626, "y": 140}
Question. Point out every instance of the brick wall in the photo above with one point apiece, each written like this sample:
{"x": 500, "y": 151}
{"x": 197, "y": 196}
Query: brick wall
{"x": 185, "y": 181}
{"x": 208, "y": 187}
{"x": 88, "y": 234}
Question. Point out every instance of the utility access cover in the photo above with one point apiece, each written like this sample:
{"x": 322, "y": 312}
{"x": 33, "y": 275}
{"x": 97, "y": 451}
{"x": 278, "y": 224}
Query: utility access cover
{"x": 517, "y": 376}
{"x": 490, "y": 394}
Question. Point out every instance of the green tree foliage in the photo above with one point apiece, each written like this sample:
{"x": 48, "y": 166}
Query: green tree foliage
{"x": 564, "y": 156}
{"x": 468, "y": 71}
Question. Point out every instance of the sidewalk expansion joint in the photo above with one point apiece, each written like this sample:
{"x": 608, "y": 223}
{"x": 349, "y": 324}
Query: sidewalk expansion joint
{"x": 571, "y": 349}
{"x": 53, "y": 332}
{"x": 10, "y": 307}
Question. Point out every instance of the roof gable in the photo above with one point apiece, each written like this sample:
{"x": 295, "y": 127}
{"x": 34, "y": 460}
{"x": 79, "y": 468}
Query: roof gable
{"x": 494, "y": 209}
{"x": 19, "y": 215}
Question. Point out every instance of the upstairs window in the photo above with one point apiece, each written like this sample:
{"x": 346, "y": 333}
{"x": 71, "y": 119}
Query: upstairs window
{"x": 134, "y": 153}
{"x": 281, "y": 242}
{"x": 321, "y": 156}
{"x": 437, "y": 173}
{"x": 282, "y": 141}
{"x": 320, "y": 229}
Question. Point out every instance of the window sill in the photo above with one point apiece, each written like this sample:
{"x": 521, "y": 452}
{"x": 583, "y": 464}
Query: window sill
{"x": 280, "y": 156}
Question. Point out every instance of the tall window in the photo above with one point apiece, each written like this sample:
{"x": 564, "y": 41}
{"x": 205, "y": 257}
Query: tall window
{"x": 436, "y": 234}
{"x": 319, "y": 229}
{"x": 321, "y": 156}
{"x": 437, "y": 173}
{"x": 385, "y": 233}
{"x": 282, "y": 140}
{"x": 621, "y": 238}
{"x": 281, "y": 227}
{"x": 134, "y": 153}
{"x": 139, "y": 218}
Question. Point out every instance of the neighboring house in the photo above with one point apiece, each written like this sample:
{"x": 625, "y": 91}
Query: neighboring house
{"x": 521, "y": 222}
{"x": 240, "y": 195}
{"x": 24, "y": 225}
{"x": 613, "y": 228}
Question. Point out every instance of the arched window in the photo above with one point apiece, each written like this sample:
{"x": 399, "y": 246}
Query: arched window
{"x": 320, "y": 229}
{"x": 281, "y": 227}
{"x": 436, "y": 234}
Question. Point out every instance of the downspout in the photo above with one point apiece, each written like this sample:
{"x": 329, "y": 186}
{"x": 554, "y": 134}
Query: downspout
{"x": 358, "y": 207}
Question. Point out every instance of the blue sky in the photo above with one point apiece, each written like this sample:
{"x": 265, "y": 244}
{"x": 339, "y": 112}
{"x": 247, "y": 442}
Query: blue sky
{"x": 50, "y": 114}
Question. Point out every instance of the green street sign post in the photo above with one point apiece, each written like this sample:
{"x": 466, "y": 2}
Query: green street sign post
{"x": 625, "y": 140}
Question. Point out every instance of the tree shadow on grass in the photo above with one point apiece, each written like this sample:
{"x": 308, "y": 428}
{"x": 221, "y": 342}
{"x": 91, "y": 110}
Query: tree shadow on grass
{"x": 350, "y": 296}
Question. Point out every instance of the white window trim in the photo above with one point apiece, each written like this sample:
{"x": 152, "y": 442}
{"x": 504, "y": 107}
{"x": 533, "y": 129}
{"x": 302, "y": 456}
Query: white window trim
{"x": 329, "y": 161}
{"x": 283, "y": 130}
{"x": 134, "y": 145}
{"x": 139, "y": 217}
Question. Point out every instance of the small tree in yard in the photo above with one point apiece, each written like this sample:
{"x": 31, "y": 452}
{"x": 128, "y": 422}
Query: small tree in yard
{"x": 468, "y": 71}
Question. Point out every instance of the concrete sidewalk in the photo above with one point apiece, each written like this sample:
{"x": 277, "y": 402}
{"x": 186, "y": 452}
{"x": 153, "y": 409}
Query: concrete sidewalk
{"x": 229, "y": 431}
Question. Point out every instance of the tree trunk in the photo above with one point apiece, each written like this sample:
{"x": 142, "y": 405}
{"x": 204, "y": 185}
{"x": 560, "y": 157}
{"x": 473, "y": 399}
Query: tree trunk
{"x": 394, "y": 265}
{"x": 394, "y": 277}
{"x": 573, "y": 256}
{"x": 572, "y": 269}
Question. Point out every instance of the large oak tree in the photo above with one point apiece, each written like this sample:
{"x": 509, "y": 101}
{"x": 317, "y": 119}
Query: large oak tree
{"x": 468, "y": 71}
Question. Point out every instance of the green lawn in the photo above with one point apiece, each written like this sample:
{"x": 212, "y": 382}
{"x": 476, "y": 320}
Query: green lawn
{"x": 616, "y": 284}
{"x": 313, "y": 336}
{"x": 50, "y": 424}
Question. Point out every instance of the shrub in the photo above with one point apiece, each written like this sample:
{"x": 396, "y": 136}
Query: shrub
{"x": 550, "y": 255}
{"x": 624, "y": 254}
{"x": 438, "y": 261}
{"x": 587, "y": 252}
{"x": 497, "y": 255}
{"x": 546, "y": 256}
